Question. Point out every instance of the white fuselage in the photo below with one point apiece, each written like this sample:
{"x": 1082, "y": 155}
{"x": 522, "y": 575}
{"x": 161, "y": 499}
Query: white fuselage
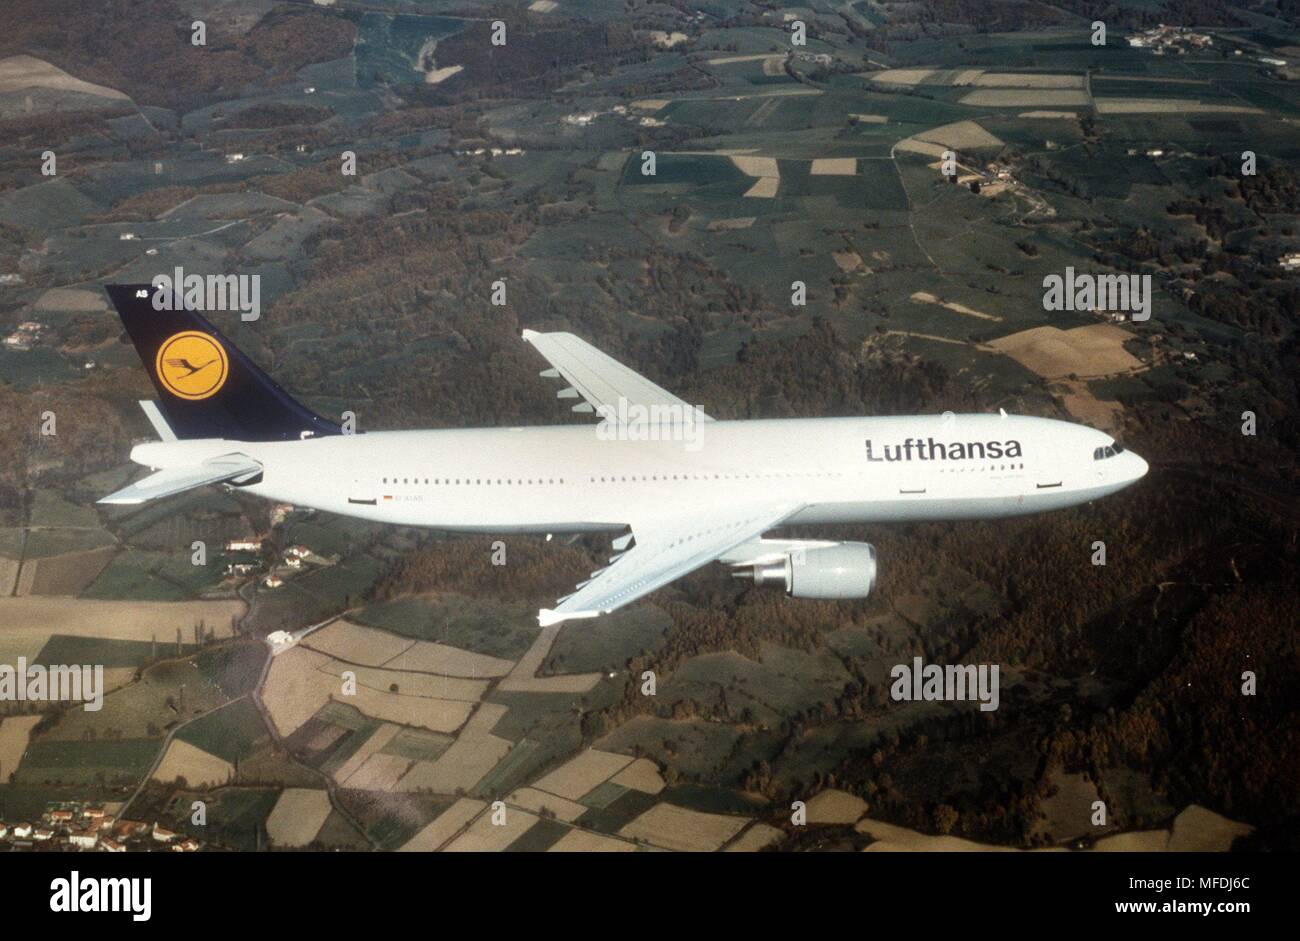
{"x": 579, "y": 478}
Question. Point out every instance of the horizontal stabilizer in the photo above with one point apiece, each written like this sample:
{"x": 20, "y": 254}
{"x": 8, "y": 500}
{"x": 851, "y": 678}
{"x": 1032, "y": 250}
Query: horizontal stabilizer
{"x": 546, "y": 617}
{"x": 173, "y": 480}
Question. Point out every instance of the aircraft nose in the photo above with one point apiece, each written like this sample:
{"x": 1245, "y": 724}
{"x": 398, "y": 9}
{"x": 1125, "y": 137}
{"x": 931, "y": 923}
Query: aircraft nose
{"x": 1140, "y": 467}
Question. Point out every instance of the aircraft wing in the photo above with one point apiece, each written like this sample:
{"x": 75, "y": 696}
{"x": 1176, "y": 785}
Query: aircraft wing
{"x": 666, "y": 548}
{"x": 173, "y": 480}
{"x": 600, "y": 380}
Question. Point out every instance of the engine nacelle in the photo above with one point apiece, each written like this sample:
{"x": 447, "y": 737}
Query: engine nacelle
{"x": 844, "y": 570}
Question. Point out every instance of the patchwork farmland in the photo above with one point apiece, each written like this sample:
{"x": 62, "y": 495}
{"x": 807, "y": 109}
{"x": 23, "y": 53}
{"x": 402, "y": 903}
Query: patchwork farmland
{"x": 860, "y": 225}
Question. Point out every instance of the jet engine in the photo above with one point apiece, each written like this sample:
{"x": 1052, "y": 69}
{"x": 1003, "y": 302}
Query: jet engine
{"x": 842, "y": 570}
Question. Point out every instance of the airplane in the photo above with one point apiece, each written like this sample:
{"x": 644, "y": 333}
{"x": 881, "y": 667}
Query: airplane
{"x": 674, "y": 487}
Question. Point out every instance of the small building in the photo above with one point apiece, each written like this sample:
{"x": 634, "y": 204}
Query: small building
{"x": 162, "y": 835}
{"x": 27, "y": 333}
{"x": 279, "y": 640}
{"x": 187, "y": 845}
{"x": 42, "y": 834}
{"x": 84, "y": 839}
{"x": 111, "y": 846}
{"x": 244, "y": 545}
{"x": 273, "y": 581}
{"x": 125, "y": 829}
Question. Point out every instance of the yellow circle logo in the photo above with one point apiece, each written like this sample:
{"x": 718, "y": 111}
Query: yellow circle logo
{"x": 191, "y": 365}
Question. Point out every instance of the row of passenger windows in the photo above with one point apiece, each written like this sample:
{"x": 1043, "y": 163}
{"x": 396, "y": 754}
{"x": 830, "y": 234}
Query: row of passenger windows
{"x": 459, "y": 481}
{"x": 449, "y": 481}
{"x": 990, "y": 467}
{"x": 510, "y": 482}
{"x": 1100, "y": 454}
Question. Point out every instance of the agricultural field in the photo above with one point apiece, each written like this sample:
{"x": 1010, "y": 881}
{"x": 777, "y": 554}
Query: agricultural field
{"x": 861, "y": 225}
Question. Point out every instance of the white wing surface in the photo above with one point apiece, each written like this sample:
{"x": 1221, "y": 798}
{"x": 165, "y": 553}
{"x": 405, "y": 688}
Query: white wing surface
{"x": 602, "y": 381}
{"x": 666, "y": 548}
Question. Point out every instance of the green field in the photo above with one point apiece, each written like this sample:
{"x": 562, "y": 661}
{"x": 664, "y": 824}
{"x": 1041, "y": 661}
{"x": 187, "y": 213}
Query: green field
{"x": 86, "y": 764}
{"x": 63, "y": 648}
{"x": 232, "y": 732}
{"x": 495, "y": 629}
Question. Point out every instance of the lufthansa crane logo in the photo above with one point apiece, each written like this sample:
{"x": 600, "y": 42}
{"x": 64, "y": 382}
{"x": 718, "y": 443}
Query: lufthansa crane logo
{"x": 191, "y": 365}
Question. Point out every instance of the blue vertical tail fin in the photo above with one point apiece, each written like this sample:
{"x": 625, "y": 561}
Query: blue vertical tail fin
{"x": 206, "y": 387}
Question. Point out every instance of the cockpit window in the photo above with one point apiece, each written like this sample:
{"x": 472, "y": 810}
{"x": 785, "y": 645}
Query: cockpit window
{"x": 1110, "y": 450}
